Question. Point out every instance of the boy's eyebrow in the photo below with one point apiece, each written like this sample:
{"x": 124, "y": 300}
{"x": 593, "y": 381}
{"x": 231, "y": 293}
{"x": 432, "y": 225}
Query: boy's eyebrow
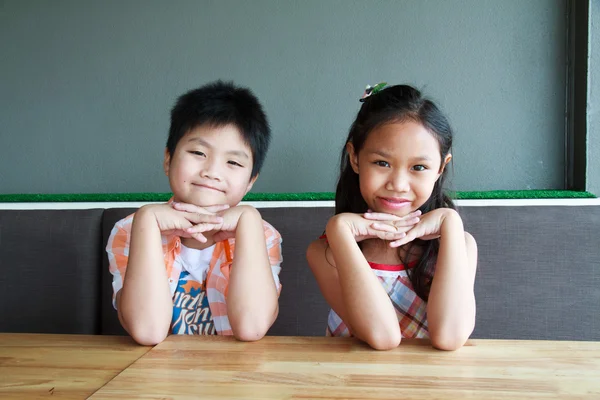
{"x": 204, "y": 143}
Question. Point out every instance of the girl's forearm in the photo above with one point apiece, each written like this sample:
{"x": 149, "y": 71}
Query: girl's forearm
{"x": 451, "y": 305}
{"x": 369, "y": 311}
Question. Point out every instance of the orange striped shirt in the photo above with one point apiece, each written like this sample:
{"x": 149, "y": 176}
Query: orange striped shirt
{"x": 217, "y": 278}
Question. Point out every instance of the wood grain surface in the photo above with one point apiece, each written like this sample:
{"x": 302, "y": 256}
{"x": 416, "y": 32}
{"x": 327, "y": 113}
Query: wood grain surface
{"x": 341, "y": 368}
{"x": 61, "y": 366}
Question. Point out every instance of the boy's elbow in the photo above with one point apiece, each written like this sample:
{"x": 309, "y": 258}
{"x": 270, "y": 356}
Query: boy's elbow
{"x": 250, "y": 332}
{"x": 148, "y": 337}
{"x": 250, "y": 328}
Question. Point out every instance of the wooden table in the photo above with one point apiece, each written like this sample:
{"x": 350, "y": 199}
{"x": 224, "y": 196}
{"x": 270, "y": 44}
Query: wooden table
{"x": 336, "y": 368}
{"x": 61, "y": 366}
{"x": 72, "y": 366}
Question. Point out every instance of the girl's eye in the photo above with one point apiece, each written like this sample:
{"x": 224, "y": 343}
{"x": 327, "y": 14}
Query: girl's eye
{"x": 382, "y": 163}
{"x": 198, "y": 153}
{"x": 234, "y": 163}
{"x": 419, "y": 168}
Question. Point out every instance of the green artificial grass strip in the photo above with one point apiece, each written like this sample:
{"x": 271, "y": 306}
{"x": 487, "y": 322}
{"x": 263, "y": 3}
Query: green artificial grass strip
{"x": 522, "y": 194}
{"x": 308, "y": 196}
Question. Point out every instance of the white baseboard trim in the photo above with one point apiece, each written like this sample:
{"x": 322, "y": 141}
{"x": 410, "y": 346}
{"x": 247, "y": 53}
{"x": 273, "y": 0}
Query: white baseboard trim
{"x": 287, "y": 204}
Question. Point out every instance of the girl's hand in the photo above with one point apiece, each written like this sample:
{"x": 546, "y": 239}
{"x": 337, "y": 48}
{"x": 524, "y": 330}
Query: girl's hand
{"x": 363, "y": 228}
{"x": 427, "y": 228}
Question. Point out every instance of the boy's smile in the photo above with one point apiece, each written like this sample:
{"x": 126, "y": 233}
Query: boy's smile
{"x": 211, "y": 165}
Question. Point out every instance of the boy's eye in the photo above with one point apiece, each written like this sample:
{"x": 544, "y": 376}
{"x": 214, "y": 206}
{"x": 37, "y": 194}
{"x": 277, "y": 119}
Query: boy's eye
{"x": 419, "y": 168}
{"x": 382, "y": 163}
{"x": 198, "y": 153}
{"x": 235, "y": 163}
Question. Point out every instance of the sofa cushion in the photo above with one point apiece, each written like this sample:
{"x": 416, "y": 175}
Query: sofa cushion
{"x": 538, "y": 274}
{"x": 50, "y": 271}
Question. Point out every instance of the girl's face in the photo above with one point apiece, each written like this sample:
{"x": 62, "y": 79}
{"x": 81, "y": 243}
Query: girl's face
{"x": 398, "y": 167}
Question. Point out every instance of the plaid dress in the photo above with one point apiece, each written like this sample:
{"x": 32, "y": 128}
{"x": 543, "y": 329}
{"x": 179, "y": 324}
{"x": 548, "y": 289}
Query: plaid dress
{"x": 411, "y": 310}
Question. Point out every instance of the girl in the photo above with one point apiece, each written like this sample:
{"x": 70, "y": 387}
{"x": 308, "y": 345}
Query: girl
{"x": 395, "y": 261}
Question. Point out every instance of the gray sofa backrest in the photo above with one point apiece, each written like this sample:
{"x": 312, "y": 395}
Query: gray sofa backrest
{"x": 538, "y": 274}
{"x": 50, "y": 271}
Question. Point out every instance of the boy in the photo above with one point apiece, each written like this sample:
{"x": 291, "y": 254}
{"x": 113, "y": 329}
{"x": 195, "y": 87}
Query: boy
{"x": 201, "y": 263}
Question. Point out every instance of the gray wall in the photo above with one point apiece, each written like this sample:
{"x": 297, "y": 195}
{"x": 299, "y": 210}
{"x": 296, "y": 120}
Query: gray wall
{"x": 86, "y": 86}
{"x": 593, "y": 123}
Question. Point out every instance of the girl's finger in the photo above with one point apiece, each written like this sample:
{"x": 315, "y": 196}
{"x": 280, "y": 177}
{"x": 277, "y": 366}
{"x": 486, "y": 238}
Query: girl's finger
{"x": 388, "y": 236}
{"x": 391, "y": 217}
{"x": 381, "y": 226}
{"x": 384, "y": 227}
{"x": 401, "y": 242}
{"x": 407, "y": 222}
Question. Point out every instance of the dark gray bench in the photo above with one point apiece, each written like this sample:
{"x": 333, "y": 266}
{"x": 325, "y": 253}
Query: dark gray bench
{"x": 538, "y": 274}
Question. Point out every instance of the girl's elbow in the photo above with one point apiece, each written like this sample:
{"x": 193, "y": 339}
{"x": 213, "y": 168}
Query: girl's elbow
{"x": 383, "y": 340}
{"x": 449, "y": 341}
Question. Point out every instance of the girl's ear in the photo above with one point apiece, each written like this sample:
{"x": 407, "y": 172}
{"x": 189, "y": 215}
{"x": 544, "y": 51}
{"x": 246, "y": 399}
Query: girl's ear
{"x": 167, "y": 162}
{"x": 445, "y": 162}
{"x": 352, "y": 157}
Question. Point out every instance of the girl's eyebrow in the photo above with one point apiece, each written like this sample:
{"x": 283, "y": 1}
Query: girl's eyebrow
{"x": 379, "y": 152}
{"x": 385, "y": 154}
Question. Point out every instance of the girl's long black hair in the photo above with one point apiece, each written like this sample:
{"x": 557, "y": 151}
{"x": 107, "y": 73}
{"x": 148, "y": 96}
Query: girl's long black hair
{"x": 398, "y": 103}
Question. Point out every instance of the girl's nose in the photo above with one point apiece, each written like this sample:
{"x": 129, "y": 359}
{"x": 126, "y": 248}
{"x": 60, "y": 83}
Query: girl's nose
{"x": 399, "y": 182}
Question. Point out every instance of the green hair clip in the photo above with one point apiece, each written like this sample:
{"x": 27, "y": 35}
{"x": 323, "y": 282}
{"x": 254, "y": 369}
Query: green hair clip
{"x": 373, "y": 90}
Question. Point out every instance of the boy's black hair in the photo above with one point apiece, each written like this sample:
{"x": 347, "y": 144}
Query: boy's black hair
{"x": 218, "y": 104}
{"x": 398, "y": 103}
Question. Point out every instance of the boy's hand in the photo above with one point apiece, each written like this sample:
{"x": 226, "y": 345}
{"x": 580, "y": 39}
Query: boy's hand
{"x": 223, "y": 230}
{"x": 172, "y": 221}
{"x": 427, "y": 228}
{"x": 363, "y": 228}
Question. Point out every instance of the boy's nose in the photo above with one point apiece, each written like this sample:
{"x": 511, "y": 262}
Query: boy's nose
{"x": 210, "y": 171}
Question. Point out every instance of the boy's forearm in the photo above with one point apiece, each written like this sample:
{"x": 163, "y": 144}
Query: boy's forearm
{"x": 145, "y": 304}
{"x": 252, "y": 303}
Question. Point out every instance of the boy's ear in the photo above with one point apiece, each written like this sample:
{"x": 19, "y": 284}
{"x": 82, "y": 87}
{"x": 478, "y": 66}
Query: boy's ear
{"x": 167, "y": 162}
{"x": 445, "y": 162}
{"x": 352, "y": 157}
{"x": 251, "y": 183}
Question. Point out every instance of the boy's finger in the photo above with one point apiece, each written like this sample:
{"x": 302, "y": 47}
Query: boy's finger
{"x": 216, "y": 208}
{"x": 202, "y": 227}
{"x": 199, "y": 237}
{"x": 197, "y": 218}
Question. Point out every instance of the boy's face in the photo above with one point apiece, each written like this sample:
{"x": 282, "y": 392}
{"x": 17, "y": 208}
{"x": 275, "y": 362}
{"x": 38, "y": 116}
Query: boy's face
{"x": 210, "y": 166}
